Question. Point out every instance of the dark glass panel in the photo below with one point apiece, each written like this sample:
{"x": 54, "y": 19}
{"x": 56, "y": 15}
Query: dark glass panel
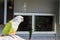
{"x": 44, "y": 23}
{"x": 1, "y": 11}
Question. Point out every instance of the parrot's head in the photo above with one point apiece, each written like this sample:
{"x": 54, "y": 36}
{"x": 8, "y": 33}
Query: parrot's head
{"x": 18, "y": 19}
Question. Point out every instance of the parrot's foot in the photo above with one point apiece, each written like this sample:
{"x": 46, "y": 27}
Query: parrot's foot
{"x": 12, "y": 36}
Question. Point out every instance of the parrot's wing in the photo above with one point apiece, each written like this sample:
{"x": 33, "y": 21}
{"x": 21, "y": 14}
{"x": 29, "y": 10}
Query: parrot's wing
{"x": 7, "y": 28}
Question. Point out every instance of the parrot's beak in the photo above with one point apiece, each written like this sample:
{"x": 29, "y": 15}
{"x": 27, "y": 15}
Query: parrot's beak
{"x": 22, "y": 19}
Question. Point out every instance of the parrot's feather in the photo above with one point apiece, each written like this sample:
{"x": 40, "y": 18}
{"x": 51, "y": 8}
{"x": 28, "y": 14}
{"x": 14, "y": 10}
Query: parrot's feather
{"x": 7, "y": 28}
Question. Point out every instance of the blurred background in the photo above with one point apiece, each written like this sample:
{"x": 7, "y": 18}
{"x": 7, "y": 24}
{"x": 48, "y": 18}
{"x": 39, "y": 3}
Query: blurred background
{"x": 42, "y": 16}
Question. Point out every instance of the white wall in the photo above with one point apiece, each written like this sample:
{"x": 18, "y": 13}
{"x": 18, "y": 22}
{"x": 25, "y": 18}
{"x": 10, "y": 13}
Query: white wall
{"x": 35, "y": 5}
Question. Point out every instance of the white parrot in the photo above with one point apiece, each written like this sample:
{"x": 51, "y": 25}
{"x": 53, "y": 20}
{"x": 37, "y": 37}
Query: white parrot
{"x": 12, "y": 26}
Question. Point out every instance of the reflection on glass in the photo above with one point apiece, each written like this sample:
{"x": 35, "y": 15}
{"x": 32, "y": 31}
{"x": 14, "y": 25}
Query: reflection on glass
{"x": 44, "y": 23}
{"x": 1, "y": 11}
{"x": 26, "y": 25}
{"x": 10, "y": 8}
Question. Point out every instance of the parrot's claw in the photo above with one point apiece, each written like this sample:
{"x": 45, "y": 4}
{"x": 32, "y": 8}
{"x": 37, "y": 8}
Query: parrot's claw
{"x": 12, "y": 36}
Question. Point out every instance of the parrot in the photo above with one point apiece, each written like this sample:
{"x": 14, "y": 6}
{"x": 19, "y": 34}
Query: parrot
{"x": 12, "y": 26}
